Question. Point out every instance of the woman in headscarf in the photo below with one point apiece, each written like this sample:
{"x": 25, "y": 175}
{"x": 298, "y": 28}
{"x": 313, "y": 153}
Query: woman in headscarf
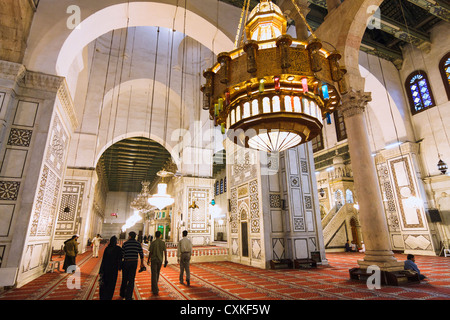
{"x": 109, "y": 269}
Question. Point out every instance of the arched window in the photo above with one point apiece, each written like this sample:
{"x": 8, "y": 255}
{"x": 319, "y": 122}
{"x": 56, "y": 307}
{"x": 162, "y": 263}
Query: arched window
{"x": 348, "y": 196}
{"x": 444, "y": 67}
{"x": 419, "y": 92}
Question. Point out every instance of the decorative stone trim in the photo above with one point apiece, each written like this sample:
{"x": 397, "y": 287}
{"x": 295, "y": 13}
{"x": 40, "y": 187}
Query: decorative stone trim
{"x": 355, "y": 102}
{"x": 12, "y": 71}
{"x": 40, "y": 81}
{"x": 67, "y": 103}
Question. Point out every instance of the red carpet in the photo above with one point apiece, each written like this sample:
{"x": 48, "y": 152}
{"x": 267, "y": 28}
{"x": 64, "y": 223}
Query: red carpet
{"x": 230, "y": 281}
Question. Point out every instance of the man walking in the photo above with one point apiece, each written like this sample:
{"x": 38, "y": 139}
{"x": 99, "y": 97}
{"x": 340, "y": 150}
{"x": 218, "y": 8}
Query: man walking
{"x": 184, "y": 257}
{"x": 155, "y": 255}
{"x": 132, "y": 250}
{"x": 71, "y": 251}
{"x": 96, "y": 245}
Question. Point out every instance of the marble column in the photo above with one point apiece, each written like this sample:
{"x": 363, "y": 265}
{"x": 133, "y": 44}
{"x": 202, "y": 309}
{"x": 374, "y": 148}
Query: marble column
{"x": 373, "y": 220}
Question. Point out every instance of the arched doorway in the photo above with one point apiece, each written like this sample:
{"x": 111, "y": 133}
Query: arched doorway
{"x": 354, "y": 231}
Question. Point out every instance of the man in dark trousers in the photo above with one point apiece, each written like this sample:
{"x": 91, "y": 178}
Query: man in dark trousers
{"x": 184, "y": 257}
{"x": 156, "y": 251}
{"x": 132, "y": 250}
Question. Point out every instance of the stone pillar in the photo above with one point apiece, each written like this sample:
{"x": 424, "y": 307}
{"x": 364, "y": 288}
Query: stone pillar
{"x": 372, "y": 216}
{"x": 37, "y": 120}
{"x": 15, "y": 22}
{"x": 197, "y": 221}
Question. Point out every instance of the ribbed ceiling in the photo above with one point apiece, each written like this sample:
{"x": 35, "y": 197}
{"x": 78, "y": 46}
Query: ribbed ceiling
{"x": 130, "y": 161}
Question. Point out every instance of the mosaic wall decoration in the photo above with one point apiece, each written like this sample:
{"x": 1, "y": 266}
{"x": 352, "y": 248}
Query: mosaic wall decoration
{"x": 388, "y": 198}
{"x": 244, "y": 166}
{"x": 9, "y": 190}
{"x": 72, "y": 198}
{"x": 20, "y": 137}
{"x": 275, "y": 200}
{"x": 44, "y": 211}
{"x": 59, "y": 140}
{"x": 233, "y": 211}
{"x": 254, "y": 207}
{"x": 197, "y": 218}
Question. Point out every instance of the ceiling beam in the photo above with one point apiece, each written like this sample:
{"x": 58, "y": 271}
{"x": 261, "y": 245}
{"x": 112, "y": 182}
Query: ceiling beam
{"x": 370, "y": 46}
{"x": 438, "y": 8}
{"x": 400, "y": 31}
{"x": 394, "y": 28}
{"x": 374, "y": 48}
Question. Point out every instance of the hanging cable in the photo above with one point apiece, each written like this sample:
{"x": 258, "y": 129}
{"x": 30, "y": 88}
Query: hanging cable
{"x": 153, "y": 93}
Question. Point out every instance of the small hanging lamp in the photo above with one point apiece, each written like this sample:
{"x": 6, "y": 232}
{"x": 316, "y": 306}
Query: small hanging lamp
{"x": 442, "y": 166}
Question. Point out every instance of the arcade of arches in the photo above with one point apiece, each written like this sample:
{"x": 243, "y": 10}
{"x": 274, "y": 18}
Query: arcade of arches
{"x": 90, "y": 109}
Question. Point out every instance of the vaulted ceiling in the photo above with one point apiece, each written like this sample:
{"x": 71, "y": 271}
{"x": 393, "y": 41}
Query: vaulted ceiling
{"x": 128, "y": 162}
{"x": 133, "y": 160}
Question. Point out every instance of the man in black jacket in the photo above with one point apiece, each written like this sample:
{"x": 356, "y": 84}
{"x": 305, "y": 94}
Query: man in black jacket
{"x": 132, "y": 250}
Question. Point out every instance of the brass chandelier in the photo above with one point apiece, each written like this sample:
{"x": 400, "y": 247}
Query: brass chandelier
{"x": 273, "y": 92}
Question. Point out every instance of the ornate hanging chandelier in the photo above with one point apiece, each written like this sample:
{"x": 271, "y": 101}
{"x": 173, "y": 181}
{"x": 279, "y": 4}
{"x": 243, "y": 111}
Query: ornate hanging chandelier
{"x": 162, "y": 199}
{"x": 140, "y": 203}
{"x": 273, "y": 92}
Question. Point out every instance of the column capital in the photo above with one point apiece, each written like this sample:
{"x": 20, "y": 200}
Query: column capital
{"x": 354, "y": 102}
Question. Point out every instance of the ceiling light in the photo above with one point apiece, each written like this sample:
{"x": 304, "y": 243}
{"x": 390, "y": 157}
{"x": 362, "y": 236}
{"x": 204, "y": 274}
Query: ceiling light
{"x": 279, "y": 111}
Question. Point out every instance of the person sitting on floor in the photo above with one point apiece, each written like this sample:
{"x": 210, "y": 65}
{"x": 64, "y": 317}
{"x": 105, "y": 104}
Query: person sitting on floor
{"x": 347, "y": 246}
{"x": 410, "y": 264}
{"x": 363, "y": 247}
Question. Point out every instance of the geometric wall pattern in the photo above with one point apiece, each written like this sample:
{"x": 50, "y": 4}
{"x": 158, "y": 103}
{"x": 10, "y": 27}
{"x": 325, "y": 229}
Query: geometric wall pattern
{"x": 72, "y": 197}
{"x": 44, "y": 211}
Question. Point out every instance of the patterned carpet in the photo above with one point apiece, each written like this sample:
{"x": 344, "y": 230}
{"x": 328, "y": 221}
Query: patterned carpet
{"x": 230, "y": 281}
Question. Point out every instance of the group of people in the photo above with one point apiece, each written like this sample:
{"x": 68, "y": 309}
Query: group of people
{"x": 409, "y": 263}
{"x": 352, "y": 247}
{"x": 127, "y": 257}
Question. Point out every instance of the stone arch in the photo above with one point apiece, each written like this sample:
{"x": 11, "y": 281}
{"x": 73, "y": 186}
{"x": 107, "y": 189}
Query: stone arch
{"x": 382, "y": 106}
{"x": 153, "y": 137}
{"x": 110, "y": 132}
{"x": 344, "y": 28}
{"x": 62, "y": 45}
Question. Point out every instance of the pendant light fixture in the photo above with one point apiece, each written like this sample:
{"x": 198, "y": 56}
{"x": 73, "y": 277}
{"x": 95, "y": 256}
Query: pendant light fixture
{"x": 442, "y": 166}
{"x": 162, "y": 199}
{"x": 273, "y": 92}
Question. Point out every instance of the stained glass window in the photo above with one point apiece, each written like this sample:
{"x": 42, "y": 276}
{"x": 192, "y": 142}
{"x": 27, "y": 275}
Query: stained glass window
{"x": 444, "y": 67}
{"x": 419, "y": 92}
